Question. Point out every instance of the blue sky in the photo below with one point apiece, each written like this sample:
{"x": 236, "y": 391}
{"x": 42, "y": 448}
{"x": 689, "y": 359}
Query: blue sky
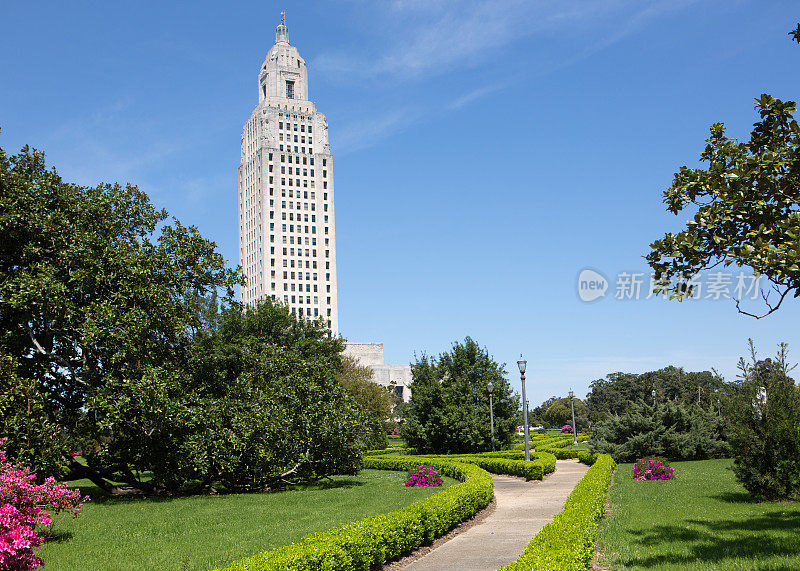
{"x": 485, "y": 152}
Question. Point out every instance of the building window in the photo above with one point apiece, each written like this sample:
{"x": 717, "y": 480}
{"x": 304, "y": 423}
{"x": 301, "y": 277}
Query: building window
{"x": 290, "y": 89}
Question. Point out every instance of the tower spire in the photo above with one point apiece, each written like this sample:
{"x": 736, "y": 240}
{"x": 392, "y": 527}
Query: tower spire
{"x": 282, "y": 32}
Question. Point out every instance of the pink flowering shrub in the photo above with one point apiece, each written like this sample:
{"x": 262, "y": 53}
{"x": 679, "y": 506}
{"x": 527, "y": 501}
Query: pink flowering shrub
{"x": 424, "y": 476}
{"x": 22, "y": 510}
{"x": 567, "y": 429}
{"x": 653, "y": 469}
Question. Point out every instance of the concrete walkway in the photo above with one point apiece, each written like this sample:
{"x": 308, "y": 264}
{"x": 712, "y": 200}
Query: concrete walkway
{"x": 523, "y": 508}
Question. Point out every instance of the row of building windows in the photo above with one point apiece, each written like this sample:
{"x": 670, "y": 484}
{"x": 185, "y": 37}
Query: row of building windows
{"x": 310, "y": 276}
{"x": 273, "y": 273}
{"x": 291, "y": 240}
{"x": 305, "y": 194}
{"x": 293, "y": 126}
{"x": 300, "y": 205}
{"x": 290, "y": 140}
{"x": 297, "y": 169}
{"x": 297, "y": 160}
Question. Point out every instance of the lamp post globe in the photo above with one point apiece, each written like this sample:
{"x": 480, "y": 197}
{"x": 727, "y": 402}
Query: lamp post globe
{"x": 522, "y": 364}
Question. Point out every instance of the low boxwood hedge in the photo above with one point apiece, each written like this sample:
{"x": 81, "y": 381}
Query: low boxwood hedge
{"x": 567, "y": 543}
{"x": 385, "y": 451}
{"x": 541, "y": 463}
{"x": 371, "y": 542}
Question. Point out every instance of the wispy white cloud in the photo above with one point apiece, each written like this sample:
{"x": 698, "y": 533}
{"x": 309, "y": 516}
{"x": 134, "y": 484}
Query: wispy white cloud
{"x": 473, "y": 95}
{"x": 420, "y": 39}
{"x": 108, "y": 145}
{"x": 367, "y": 131}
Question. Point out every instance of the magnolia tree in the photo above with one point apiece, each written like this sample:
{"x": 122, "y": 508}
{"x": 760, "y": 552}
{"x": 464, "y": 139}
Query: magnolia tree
{"x": 743, "y": 208}
{"x": 113, "y": 341}
{"x": 24, "y": 506}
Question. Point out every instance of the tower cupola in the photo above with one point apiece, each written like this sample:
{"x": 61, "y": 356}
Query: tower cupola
{"x": 281, "y": 34}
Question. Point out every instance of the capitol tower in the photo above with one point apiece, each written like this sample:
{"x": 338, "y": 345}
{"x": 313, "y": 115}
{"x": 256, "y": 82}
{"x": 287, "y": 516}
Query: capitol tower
{"x": 287, "y": 236}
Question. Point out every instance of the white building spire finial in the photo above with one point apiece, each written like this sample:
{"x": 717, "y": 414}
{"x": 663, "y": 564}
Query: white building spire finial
{"x": 282, "y": 32}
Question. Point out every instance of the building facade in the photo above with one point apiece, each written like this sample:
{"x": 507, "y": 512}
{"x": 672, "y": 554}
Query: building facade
{"x": 287, "y": 236}
{"x": 396, "y": 378}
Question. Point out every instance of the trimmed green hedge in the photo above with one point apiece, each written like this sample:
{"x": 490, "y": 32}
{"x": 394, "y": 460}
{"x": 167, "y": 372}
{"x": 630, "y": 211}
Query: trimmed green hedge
{"x": 559, "y": 447}
{"x": 567, "y": 543}
{"x": 385, "y": 451}
{"x": 541, "y": 463}
{"x": 370, "y": 543}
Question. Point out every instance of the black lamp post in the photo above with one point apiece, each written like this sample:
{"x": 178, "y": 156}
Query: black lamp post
{"x": 490, "y": 388}
{"x": 574, "y": 428}
{"x": 522, "y": 364}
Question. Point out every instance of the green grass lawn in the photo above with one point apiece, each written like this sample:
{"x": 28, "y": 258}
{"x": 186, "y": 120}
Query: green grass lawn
{"x": 703, "y": 519}
{"x": 202, "y": 532}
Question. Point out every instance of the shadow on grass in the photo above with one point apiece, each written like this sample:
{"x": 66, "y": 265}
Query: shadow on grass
{"x": 57, "y": 536}
{"x": 343, "y": 483}
{"x": 754, "y": 538}
{"x": 735, "y": 498}
{"x": 99, "y": 496}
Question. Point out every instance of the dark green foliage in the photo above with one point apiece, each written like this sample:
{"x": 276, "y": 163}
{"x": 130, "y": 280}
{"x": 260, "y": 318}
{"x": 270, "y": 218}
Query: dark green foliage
{"x": 449, "y": 408}
{"x": 765, "y": 428}
{"x": 373, "y": 400}
{"x": 119, "y": 349}
{"x": 26, "y": 415}
{"x": 617, "y": 391}
{"x": 567, "y": 543}
{"x": 743, "y": 208}
{"x": 559, "y": 413}
{"x": 278, "y": 414}
{"x": 536, "y": 415}
{"x": 94, "y": 308}
{"x": 671, "y": 430}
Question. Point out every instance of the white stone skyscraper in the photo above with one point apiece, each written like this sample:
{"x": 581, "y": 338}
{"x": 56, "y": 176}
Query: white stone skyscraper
{"x": 287, "y": 236}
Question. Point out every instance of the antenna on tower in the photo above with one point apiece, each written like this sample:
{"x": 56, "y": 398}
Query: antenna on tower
{"x": 283, "y": 17}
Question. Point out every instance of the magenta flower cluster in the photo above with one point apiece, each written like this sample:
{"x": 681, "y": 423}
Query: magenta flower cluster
{"x": 653, "y": 469}
{"x": 424, "y": 476}
{"x": 567, "y": 429}
{"x": 22, "y": 510}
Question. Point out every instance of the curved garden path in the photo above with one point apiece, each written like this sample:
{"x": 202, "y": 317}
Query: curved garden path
{"x": 522, "y": 509}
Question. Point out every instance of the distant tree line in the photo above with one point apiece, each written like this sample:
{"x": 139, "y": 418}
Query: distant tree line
{"x": 614, "y": 394}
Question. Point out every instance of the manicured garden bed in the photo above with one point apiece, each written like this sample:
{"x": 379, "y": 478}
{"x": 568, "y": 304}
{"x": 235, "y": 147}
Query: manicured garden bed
{"x": 702, "y": 519}
{"x": 206, "y": 531}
